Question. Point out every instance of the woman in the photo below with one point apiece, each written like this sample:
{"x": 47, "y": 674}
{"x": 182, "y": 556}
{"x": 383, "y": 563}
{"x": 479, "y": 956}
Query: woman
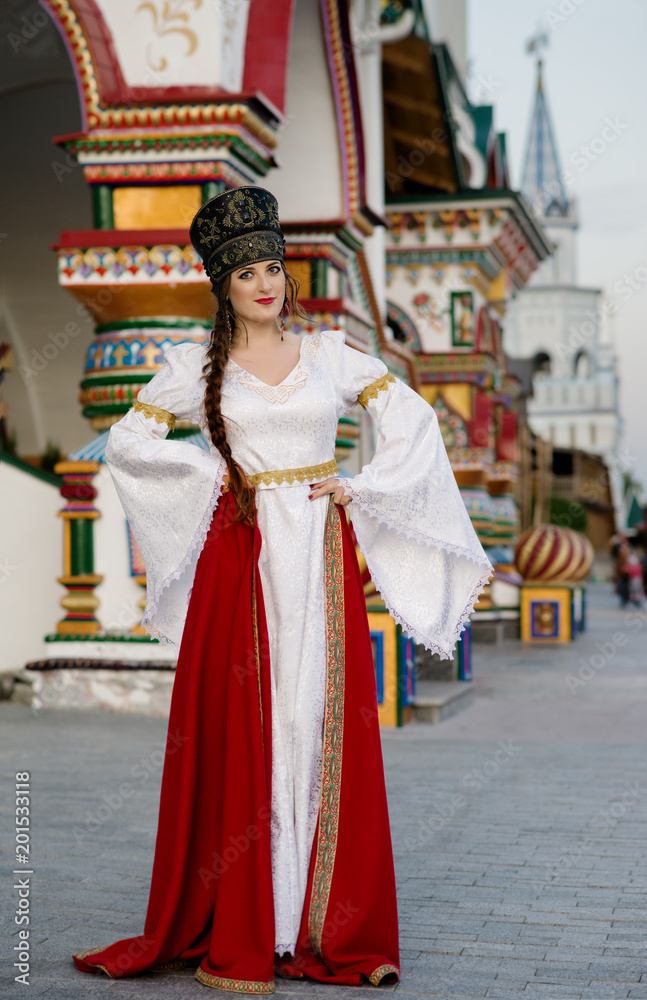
{"x": 273, "y": 851}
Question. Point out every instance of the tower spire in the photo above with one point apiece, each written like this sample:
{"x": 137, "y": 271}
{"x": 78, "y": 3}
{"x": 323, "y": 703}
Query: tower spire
{"x": 542, "y": 182}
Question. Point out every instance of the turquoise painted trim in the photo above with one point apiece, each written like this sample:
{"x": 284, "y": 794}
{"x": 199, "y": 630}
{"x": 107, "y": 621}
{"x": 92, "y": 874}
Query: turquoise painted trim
{"x": 210, "y": 189}
{"x": 239, "y": 146}
{"x": 107, "y": 409}
{"x": 319, "y": 278}
{"x": 17, "y": 463}
{"x": 102, "y": 208}
{"x": 170, "y": 323}
{"x": 102, "y": 378}
{"x": 531, "y": 226}
{"x": 101, "y": 637}
{"x": 398, "y": 255}
{"x": 349, "y": 240}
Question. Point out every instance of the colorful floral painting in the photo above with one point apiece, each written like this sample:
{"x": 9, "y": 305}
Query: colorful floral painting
{"x": 427, "y": 309}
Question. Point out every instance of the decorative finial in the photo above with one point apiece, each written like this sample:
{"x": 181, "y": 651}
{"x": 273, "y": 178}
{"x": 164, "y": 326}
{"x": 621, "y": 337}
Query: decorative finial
{"x": 536, "y": 43}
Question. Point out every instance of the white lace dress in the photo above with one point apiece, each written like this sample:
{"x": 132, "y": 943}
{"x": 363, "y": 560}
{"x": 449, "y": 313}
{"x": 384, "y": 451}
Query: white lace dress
{"x": 409, "y": 519}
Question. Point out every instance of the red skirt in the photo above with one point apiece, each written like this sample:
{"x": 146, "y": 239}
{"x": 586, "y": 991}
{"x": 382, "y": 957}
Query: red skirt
{"x": 211, "y": 900}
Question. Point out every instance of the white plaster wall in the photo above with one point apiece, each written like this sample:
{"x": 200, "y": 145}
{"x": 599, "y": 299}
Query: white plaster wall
{"x": 179, "y": 44}
{"x": 573, "y": 395}
{"x": 446, "y": 20}
{"x": 561, "y": 267}
{"x": 368, "y": 61}
{"x": 119, "y": 594}
{"x": 309, "y": 185}
{"x": 31, "y": 558}
{"x": 580, "y": 412}
{"x": 567, "y": 430}
{"x": 560, "y": 321}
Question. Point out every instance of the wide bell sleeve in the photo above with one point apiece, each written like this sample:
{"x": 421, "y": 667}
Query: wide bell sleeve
{"x": 168, "y": 489}
{"x": 409, "y": 518}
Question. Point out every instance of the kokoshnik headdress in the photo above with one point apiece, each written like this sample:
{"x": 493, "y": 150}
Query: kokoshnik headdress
{"x": 237, "y": 228}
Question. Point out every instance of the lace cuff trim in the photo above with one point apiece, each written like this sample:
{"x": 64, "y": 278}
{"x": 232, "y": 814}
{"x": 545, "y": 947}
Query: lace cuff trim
{"x": 161, "y": 416}
{"x": 371, "y": 391}
{"x": 194, "y": 549}
{"x": 424, "y": 640}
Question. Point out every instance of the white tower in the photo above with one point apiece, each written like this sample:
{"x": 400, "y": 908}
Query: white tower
{"x": 557, "y": 322}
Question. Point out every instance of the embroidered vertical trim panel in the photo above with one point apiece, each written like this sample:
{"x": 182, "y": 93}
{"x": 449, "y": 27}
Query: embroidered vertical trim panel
{"x": 371, "y": 391}
{"x": 257, "y": 656}
{"x": 233, "y": 985}
{"x": 333, "y": 735}
{"x": 161, "y": 416}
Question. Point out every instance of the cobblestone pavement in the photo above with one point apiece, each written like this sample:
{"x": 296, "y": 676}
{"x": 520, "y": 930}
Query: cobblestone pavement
{"x": 519, "y": 832}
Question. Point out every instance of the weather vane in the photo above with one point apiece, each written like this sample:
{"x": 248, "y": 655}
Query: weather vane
{"x": 537, "y": 43}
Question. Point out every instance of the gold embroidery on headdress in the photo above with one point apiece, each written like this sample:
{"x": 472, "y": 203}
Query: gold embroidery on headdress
{"x": 237, "y": 227}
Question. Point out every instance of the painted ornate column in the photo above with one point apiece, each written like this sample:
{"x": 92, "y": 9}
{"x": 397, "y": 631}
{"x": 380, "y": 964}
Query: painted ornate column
{"x": 169, "y": 120}
{"x": 453, "y": 264}
{"x": 79, "y": 577}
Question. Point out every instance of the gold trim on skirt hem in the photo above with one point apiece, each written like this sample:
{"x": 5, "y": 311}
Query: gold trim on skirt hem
{"x": 378, "y": 975}
{"x": 93, "y": 951}
{"x": 233, "y": 985}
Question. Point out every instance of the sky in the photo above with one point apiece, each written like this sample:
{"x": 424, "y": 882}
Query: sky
{"x": 595, "y": 73}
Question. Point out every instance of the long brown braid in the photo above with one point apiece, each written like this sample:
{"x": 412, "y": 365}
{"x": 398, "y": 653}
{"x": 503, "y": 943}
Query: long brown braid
{"x": 212, "y": 372}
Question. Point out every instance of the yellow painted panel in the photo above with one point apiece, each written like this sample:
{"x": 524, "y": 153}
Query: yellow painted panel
{"x": 533, "y": 594}
{"x": 164, "y": 207}
{"x": 429, "y": 393}
{"x": 459, "y": 399}
{"x": 497, "y": 289}
{"x": 112, "y": 303}
{"x": 302, "y": 271}
{"x": 388, "y": 710}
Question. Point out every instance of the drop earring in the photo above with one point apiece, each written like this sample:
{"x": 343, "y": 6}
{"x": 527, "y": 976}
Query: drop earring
{"x": 283, "y": 312}
{"x": 227, "y": 325}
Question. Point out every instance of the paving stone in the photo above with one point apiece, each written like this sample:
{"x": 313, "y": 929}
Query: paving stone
{"x": 519, "y": 896}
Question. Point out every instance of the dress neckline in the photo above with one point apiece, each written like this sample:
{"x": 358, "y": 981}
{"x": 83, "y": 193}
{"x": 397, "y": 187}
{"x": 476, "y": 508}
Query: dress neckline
{"x": 248, "y": 374}
{"x": 293, "y": 380}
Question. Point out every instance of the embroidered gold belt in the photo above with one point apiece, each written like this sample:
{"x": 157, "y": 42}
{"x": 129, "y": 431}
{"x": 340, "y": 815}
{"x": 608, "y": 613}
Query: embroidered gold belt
{"x": 308, "y": 474}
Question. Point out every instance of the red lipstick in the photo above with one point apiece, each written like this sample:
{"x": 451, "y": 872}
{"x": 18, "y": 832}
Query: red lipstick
{"x": 265, "y": 302}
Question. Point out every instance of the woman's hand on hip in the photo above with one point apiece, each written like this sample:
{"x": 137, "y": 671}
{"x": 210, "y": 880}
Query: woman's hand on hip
{"x": 329, "y": 486}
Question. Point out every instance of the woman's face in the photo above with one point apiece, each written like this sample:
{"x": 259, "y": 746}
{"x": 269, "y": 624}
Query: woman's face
{"x": 257, "y": 292}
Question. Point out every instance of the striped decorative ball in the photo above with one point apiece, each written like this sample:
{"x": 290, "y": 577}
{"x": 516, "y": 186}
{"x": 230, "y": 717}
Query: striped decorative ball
{"x": 587, "y": 555}
{"x": 553, "y": 555}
